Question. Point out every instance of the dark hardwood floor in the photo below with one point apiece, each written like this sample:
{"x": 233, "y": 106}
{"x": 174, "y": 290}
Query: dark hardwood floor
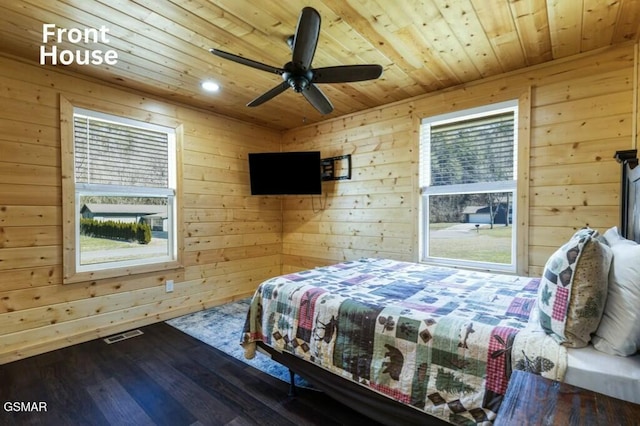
{"x": 163, "y": 377}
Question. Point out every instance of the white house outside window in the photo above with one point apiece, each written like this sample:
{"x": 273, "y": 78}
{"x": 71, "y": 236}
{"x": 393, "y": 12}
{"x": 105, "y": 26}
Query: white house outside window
{"x": 468, "y": 181}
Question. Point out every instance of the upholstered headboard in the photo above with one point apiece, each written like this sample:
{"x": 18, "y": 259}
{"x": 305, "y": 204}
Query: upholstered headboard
{"x": 630, "y": 195}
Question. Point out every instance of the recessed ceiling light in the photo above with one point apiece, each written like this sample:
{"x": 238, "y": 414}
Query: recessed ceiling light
{"x": 210, "y": 86}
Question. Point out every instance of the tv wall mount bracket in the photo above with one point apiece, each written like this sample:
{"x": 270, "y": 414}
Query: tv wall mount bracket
{"x": 336, "y": 168}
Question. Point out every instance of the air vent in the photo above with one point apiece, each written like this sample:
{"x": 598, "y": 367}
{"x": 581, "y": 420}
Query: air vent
{"x": 122, "y": 336}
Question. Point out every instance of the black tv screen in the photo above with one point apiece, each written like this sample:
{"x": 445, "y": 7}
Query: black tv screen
{"x": 285, "y": 173}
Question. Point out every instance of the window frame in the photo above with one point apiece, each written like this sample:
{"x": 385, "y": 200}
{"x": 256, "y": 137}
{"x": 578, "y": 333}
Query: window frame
{"x": 73, "y": 272}
{"x": 519, "y": 190}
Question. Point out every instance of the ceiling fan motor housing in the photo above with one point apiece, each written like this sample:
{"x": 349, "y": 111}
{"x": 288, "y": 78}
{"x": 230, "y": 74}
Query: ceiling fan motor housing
{"x": 297, "y": 78}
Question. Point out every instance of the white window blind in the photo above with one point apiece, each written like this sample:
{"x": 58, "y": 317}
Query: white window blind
{"x": 477, "y": 147}
{"x": 108, "y": 153}
{"x": 472, "y": 151}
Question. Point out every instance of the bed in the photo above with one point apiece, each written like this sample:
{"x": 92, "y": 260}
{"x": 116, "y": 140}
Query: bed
{"x": 408, "y": 343}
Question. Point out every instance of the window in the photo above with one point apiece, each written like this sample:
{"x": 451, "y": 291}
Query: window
{"x": 120, "y": 176}
{"x": 468, "y": 183}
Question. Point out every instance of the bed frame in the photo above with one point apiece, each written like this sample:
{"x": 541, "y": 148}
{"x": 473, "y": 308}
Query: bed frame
{"x": 630, "y": 193}
{"x": 363, "y": 400}
{"x": 388, "y": 411}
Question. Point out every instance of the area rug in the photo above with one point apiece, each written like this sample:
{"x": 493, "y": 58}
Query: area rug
{"x": 221, "y": 327}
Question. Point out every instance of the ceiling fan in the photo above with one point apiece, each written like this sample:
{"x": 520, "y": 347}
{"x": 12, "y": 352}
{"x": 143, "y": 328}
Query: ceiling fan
{"x": 298, "y": 74}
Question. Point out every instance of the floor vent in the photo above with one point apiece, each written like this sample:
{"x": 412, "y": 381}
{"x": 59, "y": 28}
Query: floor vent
{"x": 123, "y": 336}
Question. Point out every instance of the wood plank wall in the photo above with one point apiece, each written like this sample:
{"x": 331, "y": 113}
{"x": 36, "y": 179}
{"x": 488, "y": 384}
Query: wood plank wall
{"x": 582, "y": 111}
{"x": 232, "y": 240}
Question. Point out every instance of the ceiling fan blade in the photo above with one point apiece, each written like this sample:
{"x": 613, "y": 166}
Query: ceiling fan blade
{"x": 318, "y": 99}
{"x": 247, "y": 62}
{"x": 269, "y": 95}
{"x": 346, "y": 73}
{"x": 306, "y": 38}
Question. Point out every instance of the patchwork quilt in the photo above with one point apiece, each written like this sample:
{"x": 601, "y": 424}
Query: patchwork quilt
{"x": 439, "y": 339}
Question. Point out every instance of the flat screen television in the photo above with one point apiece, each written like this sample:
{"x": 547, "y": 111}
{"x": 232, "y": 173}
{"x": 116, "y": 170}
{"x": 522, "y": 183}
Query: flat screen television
{"x": 285, "y": 173}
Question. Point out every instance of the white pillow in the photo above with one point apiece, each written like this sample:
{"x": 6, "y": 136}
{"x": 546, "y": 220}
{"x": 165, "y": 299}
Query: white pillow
{"x": 619, "y": 329}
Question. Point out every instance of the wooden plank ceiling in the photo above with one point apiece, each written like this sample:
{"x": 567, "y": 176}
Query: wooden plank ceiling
{"x": 423, "y": 45}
